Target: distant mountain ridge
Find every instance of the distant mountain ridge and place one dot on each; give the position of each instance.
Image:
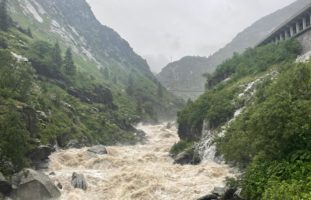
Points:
(249, 37)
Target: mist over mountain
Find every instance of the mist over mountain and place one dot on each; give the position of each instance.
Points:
(173, 77)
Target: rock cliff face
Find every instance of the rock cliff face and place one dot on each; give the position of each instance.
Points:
(250, 37)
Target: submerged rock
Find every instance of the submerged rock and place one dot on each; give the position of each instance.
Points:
(30, 184)
(98, 149)
(222, 193)
(78, 181)
(209, 197)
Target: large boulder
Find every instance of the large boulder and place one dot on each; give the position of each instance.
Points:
(78, 181)
(189, 156)
(30, 184)
(98, 149)
(5, 186)
(220, 191)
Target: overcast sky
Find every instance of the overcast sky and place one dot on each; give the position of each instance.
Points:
(166, 30)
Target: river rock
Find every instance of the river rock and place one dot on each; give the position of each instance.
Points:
(187, 157)
(98, 149)
(209, 197)
(220, 191)
(78, 181)
(74, 143)
(30, 184)
(40, 156)
(237, 194)
(5, 186)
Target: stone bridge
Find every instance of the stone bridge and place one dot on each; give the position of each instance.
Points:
(298, 27)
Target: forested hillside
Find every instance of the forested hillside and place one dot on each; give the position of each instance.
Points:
(257, 110)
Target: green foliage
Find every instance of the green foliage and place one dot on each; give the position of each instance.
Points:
(180, 146)
(215, 106)
(16, 77)
(277, 126)
(254, 61)
(70, 67)
(13, 143)
(274, 136)
(105, 72)
(56, 57)
(3, 43)
(160, 90)
(270, 140)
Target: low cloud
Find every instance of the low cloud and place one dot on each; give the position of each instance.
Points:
(165, 30)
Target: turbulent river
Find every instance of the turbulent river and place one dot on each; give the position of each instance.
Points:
(144, 171)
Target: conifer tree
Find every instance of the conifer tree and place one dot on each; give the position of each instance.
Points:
(130, 85)
(69, 65)
(28, 32)
(57, 57)
(160, 90)
(4, 17)
(106, 73)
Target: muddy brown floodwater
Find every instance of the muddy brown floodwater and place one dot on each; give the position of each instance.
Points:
(143, 171)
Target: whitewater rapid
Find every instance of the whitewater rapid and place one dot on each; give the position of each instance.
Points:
(143, 171)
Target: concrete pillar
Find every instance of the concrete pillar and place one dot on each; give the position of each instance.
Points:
(281, 36)
(286, 34)
(297, 27)
(304, 23)
(291, 31)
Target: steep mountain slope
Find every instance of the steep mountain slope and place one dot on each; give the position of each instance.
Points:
(256, 115)
(64, 85)
(99, 51)
(250, 37)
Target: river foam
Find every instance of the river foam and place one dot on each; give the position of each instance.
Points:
(143, 171)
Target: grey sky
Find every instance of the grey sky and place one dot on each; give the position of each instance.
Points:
(165, 30)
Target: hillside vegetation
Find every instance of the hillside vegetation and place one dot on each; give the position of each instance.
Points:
(50, 94)
(257, 105)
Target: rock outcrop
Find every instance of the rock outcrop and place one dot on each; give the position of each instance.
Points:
(30, 184)
(5, 186)
(40, 156)
(78, 181)
(189, 156)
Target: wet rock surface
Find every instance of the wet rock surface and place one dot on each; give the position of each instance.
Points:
(78, 181)
(30, 184)
(98, 149)
(5, 186)
(40, 156)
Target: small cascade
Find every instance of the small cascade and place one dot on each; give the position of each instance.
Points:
(206, 146)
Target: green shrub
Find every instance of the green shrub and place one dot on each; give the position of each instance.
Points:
(13, 143)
